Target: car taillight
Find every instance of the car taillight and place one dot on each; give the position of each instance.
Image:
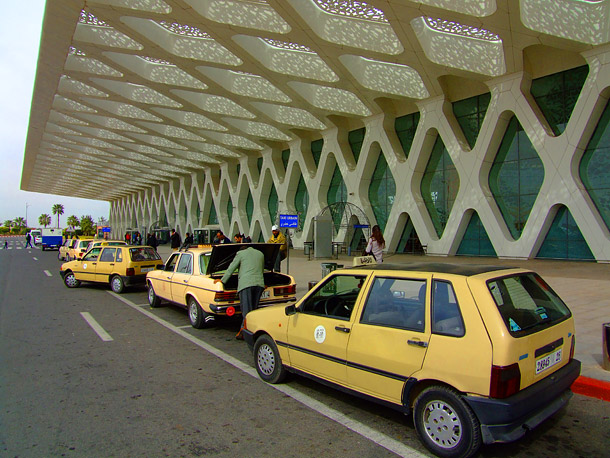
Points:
(505, 381)
(223, 296)
(572, 347)
(130, 271)
(285, 290)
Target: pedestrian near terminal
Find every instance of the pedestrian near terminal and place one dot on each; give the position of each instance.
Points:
(220, 238)
(238, 238)
(175, 240)
(250, 280)
(151, 240)
(376, 244)
(28, 240)
(278, 237)
(188, 240)
(127, 237)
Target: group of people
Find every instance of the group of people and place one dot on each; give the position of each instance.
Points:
(134, 238)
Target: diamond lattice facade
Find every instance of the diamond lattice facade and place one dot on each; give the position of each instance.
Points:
(467, 127)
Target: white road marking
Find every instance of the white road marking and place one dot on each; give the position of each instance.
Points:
(34, 258)
(96, 327)
(48, 274)
(369, 433)
(186, 326)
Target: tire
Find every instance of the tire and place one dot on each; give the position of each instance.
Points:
(153, 299)
(70, 280)
(197, 316)
(59, 256)
(445, 423)
(267, 360)
(117, 285)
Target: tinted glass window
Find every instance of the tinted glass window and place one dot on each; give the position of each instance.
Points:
(446, 316)
(397, 303)
(185, 265)
(335, 297)
(527, 304)
(204, 260)
(170, 265)
(119, 255)
(92, 255)
(143, 254)
(108, 255)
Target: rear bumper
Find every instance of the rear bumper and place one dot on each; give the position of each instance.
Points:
(134, 280)
(506, 420)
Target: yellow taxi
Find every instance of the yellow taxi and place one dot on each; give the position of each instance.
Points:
(102, 242)
(64, 250)
(78, 249)
(477, 354)
(187, 279)
(118, 266)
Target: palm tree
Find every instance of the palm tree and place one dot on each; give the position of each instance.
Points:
(19, 222)
(8, 223)
(72, 221)
(44, 220)
(58, 209)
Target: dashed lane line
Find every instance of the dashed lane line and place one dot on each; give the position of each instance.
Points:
(48, 274)
(365, 431)
(100, 331)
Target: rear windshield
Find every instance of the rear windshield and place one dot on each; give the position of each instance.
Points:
(143, 254)
(527, 304)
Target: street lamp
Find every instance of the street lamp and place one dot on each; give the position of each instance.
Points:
(26, 214)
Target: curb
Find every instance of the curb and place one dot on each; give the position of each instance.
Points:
(592, 387)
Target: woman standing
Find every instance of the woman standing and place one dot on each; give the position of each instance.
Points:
(376, 244)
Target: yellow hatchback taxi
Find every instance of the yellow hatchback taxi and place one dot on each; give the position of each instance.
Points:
(78, 249)
(477, 354)
(64, 250)
(118, 266)
(187, 279)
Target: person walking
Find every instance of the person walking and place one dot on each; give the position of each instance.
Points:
(278, 237)
(376, 244)
(175, 240)
(152, 241)
(250, 280)
(28, 240)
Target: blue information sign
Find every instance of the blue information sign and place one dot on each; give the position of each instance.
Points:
(361, 226)
(105, 229)
(289, 221)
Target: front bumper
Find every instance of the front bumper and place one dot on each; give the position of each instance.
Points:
(248, 338)
(506, 420)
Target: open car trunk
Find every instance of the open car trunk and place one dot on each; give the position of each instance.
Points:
(271, 279)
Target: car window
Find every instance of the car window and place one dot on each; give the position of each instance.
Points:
(92, 255)
(204, 260)
(446, 315)
(335, 297)
(170, 265)
(185, 265)
(119, 255)
(143, 254)
(396, 303)
(108, 255)
(527, 304)
(83, 244)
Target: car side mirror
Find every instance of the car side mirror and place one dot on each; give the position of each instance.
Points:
(290, 310)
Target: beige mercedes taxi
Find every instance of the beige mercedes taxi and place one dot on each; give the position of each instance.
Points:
(477, 354)
(187, 279)
(117, 266)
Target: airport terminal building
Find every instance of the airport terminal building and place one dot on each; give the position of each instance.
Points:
(460, 127)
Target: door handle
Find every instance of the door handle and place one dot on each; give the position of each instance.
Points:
(185, 281)
(417, 343)
(111, 264)
(169, 278)
(342, 329)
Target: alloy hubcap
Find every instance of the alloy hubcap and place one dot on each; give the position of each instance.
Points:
(442, 424)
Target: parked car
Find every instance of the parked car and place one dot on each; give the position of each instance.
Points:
(36, 235)
(52, 238)
(101, 242)
(118, 266)
(64, 250)
(477, 354)
(79, 249)
(187, 279)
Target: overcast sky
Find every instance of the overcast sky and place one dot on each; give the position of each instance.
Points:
(19, 40)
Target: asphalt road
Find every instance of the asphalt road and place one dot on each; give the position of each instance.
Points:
(162, 388)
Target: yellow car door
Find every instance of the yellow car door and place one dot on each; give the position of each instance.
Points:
(105, 264)
(389, 338)
(319, 332)
(181, 277)
(87, 266)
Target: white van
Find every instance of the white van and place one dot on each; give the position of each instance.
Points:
(36, 235)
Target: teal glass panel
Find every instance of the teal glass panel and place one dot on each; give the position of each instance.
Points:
(316, 150)
(198, 211)
(405, 127)
(470, 113)
(301, 201)
(238, 170)
(476, 241)
(259, 164)
(358, 242)
(230, 209)
(249, 207)
(213, 218)
(382, 192)
(261, 238)
(595, 166)
(515, 177)
(409, 240)
(564, 239)
(439, 186)
(355, 139)
(337, 192)
(556, 95)
(272, 205)
(285, 157)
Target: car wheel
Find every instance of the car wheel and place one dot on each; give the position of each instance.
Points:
(70, 280)
(445, 423)
(117, 284)
(197, 316)
(267, 360)
(153, 299)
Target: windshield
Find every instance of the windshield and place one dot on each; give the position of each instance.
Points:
(527, 304)
(143, 254)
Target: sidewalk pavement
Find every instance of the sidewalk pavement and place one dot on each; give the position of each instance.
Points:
(584, 287)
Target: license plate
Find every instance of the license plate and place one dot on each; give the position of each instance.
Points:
(265, 294)
(547, 361)
(146, 269)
